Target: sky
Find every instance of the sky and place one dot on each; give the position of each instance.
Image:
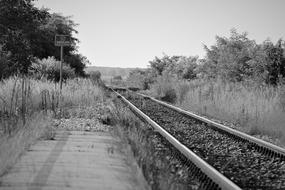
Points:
(130, 33)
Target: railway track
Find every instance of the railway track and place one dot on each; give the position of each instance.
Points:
(226, 158)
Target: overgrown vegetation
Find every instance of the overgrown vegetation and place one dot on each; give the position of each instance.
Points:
(49, 69)
(252, 109)
(28, 107)
(30, 98)
(108, 73)
(238, 81)
(233, 59)
(27, 36)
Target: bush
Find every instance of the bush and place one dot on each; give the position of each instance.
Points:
(49, 68)
(141, 78)
(95, 77)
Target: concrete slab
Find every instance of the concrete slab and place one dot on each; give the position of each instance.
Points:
(74, 160)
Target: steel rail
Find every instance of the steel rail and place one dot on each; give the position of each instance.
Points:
(223, 182)
(278, 151)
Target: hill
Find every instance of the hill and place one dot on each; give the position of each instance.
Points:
(108, 73)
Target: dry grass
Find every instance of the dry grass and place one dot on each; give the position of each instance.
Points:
(257, 110)
(81, 92)
(27, 107)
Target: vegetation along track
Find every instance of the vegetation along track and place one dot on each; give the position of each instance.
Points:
(249, 164)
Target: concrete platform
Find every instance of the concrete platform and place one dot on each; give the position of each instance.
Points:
(74, 160)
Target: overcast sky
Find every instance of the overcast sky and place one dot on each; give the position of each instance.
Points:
(129, 33)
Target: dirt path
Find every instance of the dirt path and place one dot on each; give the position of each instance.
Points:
(74, 160)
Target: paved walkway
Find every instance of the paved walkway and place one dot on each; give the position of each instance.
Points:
(74, 160)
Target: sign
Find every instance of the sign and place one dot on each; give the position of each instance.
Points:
(62, 40)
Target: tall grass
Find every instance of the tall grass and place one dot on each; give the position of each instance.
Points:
(27, 107)
(81, 92)
(257, 110)
(16, 104)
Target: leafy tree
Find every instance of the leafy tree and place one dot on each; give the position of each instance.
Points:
(141, 78)
(185, 67)
(229, 57)
(4, 64)
(180, 67)
(160, 65)
(237, 58)
(78, 62)
(52, 25)
(19, 23)
(27, 32)
(59, 24)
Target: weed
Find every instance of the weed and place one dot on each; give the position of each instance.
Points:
(27, 107)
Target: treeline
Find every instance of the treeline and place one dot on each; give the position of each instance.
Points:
(27, 36)
(233, 59)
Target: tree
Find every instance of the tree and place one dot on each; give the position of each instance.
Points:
(59, 24)
(274, 61)
(78, 62)
(19, 22)
(27, 32)
(160, 65)
(229, 57)
(141, 78)
(4, 64)
(185, 67)
(52, 25)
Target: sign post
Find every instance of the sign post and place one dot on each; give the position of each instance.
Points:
(62, 40)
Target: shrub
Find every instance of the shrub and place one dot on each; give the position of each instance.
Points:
(95, 77)
(141, 78)
(49, 68)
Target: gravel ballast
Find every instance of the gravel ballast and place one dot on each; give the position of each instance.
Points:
(237, 160)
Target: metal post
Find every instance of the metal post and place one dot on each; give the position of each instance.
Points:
(61, 65)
